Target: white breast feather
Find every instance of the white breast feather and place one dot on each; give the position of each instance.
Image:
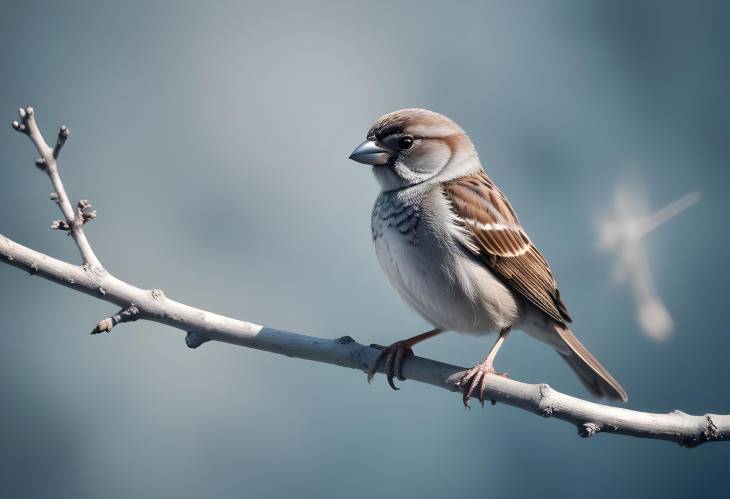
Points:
(435, 277)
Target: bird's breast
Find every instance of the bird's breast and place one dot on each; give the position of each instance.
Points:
(426, 266)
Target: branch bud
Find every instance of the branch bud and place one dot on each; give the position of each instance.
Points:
(128, 314)
(84, 212)
(194, 340)
(63, 134)
(104, 326)
(60, 225)
(25, 115)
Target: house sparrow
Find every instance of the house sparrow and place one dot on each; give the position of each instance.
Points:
(451, 245)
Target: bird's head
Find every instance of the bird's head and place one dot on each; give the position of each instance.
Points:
(413, 146)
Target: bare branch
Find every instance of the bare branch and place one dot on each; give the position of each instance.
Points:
(47, 163)
(202, 326)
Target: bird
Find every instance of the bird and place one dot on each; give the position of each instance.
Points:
(450, 243)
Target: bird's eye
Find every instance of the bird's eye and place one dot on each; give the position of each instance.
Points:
(405, 142)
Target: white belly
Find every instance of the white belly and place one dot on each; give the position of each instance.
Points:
(427, 268)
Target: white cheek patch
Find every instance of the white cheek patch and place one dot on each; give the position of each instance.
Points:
(429, 156)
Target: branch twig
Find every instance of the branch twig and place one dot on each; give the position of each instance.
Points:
(47, 162)
(136, 303)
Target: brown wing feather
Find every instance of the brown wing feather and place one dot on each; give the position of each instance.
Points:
(501, 242)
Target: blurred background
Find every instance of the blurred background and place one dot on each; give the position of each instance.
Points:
(213, 139)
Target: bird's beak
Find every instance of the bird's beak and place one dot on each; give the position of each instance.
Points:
(370, 153)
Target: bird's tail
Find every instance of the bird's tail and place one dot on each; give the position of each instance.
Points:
(592, 374)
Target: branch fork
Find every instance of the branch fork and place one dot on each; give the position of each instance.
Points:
(201, 326)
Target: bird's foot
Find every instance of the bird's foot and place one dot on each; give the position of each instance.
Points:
(393, 356)
(477, 376)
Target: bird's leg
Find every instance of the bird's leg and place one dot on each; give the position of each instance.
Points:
(394, 355)
(477, 375)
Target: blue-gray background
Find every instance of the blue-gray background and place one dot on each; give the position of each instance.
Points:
(213, 138)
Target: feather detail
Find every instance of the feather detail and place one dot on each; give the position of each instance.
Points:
(592, 374)
(499, 241)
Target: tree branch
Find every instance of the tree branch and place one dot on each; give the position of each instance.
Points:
(201, 326)
(47, 162)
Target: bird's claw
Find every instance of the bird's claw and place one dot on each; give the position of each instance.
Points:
(477, 376)
(394, 356)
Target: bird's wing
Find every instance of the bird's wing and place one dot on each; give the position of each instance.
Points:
(498, 241)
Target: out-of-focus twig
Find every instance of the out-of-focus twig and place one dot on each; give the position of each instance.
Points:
(622, 232)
